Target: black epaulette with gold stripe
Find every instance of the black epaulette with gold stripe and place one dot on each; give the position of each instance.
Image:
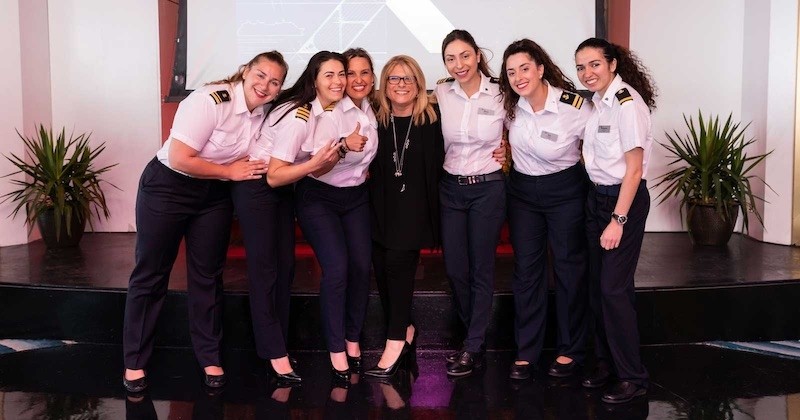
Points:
(330, 107)
(445, 80)
(220, 96)
(572, 98)
(623, 95)
(303, 112)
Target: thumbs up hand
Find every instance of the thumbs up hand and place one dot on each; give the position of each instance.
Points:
(355, 142)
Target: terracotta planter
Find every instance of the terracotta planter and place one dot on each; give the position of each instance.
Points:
(707, 227)
(47, 226)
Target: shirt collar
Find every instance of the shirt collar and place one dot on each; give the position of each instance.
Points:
(550, 103)
(239, 104)
(316, 107)
(347, 103)
(608, 98)
(484, 88)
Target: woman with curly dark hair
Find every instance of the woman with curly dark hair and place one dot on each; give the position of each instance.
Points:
(616, 150)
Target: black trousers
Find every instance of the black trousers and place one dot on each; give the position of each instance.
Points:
(394, 274)
(472, 216)
(266, 216)
(541, 210)
(336, 222)
(171, 207)
(611, 285)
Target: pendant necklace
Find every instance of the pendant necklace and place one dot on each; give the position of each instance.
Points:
(399, 157)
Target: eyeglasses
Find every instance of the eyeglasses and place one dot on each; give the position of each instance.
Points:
(395, 80)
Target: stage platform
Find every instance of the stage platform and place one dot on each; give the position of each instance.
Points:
(746, 291)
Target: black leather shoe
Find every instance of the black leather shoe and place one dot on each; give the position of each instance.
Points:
(563, 370)
(598, 378)
(452, 357)
(293, 362)
(341, 378)
(623, 392)
(465, 364)
(135, 386)
(355, 362)
(215, 381)
(284, 378)
(520, 371)
(386, 373)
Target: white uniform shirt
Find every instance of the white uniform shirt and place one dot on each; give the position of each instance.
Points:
(220, 130)
(340, 122)
(617, 125)
(548, 141)
(288, 137)
(472, 127)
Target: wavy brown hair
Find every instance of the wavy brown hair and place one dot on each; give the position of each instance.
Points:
(629, 67)
(352, 53)
(552, 73)
(423, 111)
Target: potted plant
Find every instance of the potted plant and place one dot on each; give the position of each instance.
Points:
(61, 188)
(712, 176)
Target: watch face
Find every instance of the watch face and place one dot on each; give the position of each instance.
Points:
(622, 219)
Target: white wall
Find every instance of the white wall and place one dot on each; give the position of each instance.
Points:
(11, 231)
(105, 80)
(694, 51)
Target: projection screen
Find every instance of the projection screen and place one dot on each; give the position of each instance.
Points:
(221, 34)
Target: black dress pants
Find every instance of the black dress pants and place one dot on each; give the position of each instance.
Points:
(171, 207)
(266, 216)
(611, 285)
(394, 274)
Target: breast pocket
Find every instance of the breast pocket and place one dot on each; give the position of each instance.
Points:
(490, 127)
(222, 139)
(609, 145)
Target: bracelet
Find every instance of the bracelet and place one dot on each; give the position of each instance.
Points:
(341, 151)
(343, 142)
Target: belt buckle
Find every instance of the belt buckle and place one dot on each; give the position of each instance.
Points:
(464, 180)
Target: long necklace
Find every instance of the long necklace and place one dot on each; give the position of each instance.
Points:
(399, 157)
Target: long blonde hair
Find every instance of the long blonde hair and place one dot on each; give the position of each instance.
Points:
(423, 109)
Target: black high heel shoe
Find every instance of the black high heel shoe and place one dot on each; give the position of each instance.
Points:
(340, 378)
(412, 346)
(135, 386)
(290, 378)
(355, 362)
(386, 373)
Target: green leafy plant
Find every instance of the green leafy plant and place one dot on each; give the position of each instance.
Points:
(713, 168)
(61, 177)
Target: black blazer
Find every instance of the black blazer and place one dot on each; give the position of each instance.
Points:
(433, 150)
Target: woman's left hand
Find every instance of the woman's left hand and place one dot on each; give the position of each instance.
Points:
(611, 236)
(499, 154)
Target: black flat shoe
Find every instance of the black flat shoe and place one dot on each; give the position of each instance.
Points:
(520, 372)
(452, 357)
(355, 362)
(386, 373)
(465, 364)
(563, 370)
(135, 386)
(623, 392)
(214, 381)
(598, 378)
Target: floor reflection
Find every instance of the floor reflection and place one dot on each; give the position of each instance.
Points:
(701, 382)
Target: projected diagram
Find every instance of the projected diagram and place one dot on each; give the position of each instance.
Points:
(301, 28)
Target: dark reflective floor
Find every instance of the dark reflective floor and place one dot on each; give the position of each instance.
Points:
(688, 381)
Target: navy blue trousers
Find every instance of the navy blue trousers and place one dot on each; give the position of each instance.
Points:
(541, 210)
(171, 207)
(266, 216)
(611, 285)
(336, 222)
(472, 216)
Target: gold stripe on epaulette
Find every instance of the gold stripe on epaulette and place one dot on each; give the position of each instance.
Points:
(330, 107)
(444, 80)
(302, 113)
(626, 99)
(215, 97)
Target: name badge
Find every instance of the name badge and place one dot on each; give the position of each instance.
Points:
(484, 111)
(549, 136)
(604, 129)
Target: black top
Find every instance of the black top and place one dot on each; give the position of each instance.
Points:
(405, 209)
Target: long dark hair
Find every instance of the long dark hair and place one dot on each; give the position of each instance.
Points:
(552, 73)
(273, 56)
(303, 90)
(629, 67)
(462, 35)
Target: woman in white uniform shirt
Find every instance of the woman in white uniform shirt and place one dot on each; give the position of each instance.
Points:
(333, 211)
(182, 195)
(472, 190)
(616, 150)
(546, 195)
(295, 154)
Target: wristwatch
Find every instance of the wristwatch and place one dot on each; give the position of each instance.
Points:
(620, 218)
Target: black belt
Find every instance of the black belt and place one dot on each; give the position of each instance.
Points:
(475, 179)
(613, 190)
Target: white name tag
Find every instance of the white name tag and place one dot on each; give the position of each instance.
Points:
(604, 129)
(485, 111)
(549, 136)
